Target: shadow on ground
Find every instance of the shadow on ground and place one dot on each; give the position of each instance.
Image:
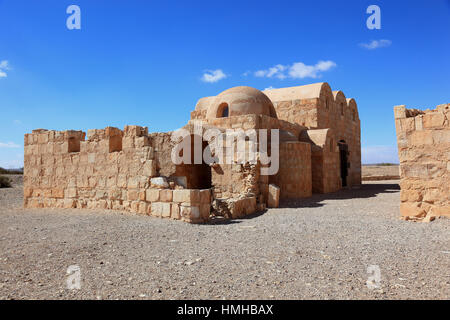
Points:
(366, 190)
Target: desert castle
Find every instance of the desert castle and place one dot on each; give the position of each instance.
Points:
(318, 151)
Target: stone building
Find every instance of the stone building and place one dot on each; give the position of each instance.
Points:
(423, 139)
(318, 146)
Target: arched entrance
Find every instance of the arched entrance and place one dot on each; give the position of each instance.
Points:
(198, 175)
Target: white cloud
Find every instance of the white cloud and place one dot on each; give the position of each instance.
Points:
(9, 145)
(276, 71)
(375, 44)
(269, 88)
(297, 70)
(213, 75)
(4, 65)
(379, 154)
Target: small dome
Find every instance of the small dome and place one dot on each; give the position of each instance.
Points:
(240, 101)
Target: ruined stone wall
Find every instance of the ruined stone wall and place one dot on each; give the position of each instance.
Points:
(244, 183)
(423, 139)
(110, 170)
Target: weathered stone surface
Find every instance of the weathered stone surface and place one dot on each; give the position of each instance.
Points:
(273, 200)
(133, 170)
(152, 195)
(165, 195)
(424, 151)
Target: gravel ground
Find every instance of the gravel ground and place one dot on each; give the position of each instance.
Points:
(316, 248)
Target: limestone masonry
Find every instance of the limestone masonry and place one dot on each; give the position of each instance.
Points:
(319, 152)
(423, 139)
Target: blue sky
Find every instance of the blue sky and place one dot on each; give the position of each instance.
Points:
(147, 62)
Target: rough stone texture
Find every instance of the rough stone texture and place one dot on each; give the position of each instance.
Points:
(110, 170)
(294, 176)
(423, 139)
(315, 106)
(133, 170)
(273, 200)
(324, 160)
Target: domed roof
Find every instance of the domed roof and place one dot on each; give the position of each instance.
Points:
(240, 101)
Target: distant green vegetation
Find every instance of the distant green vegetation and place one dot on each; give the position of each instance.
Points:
(382, 164)
(11, 171)
(5, 182)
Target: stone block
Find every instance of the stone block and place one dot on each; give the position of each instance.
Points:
(149, 168)
(143, 208)
(70, 193)
(152, 195)
(433, 120)
(410, 196)
(420, 138)
(205, 196)
(115, 143)
(133, 183)
(135, 206)
(186, 195)
(69, 203)
(91, 158)
(132, 195)
(432, 195)
(408, 124)
(166, 210)
(205, 209)
(443, 211)
(156, 209)
(175, 211)
(273, 197)
(190, 212)
(165, 195)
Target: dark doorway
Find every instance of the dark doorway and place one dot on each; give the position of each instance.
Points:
(343, 156)
(198, 176)
(202, 172)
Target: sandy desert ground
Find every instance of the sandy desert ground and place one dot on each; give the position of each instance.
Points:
(377, 172)
(316, 248)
